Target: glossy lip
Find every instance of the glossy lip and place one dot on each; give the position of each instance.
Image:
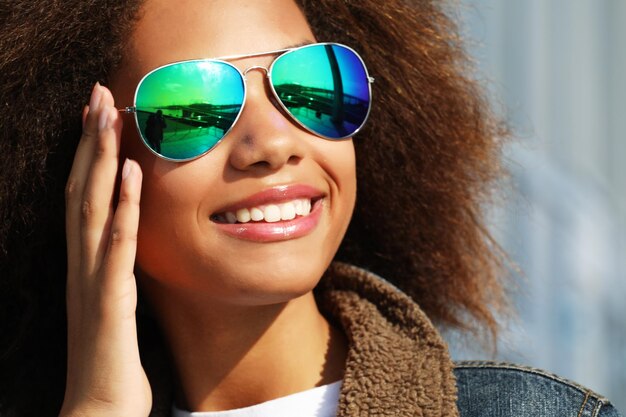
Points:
(281, 230)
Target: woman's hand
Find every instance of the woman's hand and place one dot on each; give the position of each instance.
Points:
(104, 373)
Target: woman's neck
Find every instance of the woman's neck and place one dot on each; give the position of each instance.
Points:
(230, 357)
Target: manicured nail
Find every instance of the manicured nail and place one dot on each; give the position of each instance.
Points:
(96, 96)
(103, 117)
(84, 114)
(112, 116)
(127, 168)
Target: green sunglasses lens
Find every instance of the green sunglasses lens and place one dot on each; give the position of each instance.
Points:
(325, 87)
(184, 109)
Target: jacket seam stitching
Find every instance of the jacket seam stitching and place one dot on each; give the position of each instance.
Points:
(582, 407)
(531, 370)
(596, 411)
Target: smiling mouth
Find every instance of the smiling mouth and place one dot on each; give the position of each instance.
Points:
(268, 213)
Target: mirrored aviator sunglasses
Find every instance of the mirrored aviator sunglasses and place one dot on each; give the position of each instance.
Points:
(184, 109)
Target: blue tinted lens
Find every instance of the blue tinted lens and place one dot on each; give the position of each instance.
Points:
(184, 109)
(325, 87)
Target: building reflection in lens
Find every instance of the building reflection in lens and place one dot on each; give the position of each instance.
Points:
(330, 112)
(186, 130)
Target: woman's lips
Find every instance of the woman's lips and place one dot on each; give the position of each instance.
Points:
(262, 231)
(279, 213)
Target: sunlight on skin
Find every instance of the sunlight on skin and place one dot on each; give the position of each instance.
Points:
(234, 310)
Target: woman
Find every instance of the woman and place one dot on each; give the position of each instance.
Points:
(239, 308)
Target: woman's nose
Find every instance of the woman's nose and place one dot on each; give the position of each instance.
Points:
(264, 136)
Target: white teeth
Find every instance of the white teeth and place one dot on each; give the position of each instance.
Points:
(287, 211)
(272, 212)
(243, 215)
(256, 214)
(298, 206)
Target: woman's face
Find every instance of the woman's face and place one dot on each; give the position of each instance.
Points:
(184, 241)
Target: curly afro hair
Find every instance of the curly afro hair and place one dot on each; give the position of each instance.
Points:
(427, 163)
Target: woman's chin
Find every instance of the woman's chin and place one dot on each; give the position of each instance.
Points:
(246, 285)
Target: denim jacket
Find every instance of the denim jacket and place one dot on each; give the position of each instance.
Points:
(487, 389)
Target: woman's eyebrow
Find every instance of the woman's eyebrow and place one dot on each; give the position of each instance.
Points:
(299, 44)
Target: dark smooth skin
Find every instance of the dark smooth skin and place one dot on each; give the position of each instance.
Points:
(239, 316)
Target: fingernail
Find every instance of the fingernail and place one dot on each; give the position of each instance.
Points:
(84, 114)
(127, 168)
(111, 117)
(103, 118)
(96, 96)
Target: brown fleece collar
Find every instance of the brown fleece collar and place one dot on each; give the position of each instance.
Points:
(397, 364)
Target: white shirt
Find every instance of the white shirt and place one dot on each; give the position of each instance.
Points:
(316, 402)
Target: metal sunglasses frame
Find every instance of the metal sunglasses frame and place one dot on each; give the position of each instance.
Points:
(268, 73)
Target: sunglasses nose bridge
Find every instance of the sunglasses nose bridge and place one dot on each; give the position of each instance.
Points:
(256, 67)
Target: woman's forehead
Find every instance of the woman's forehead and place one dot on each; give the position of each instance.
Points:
(173, 31)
